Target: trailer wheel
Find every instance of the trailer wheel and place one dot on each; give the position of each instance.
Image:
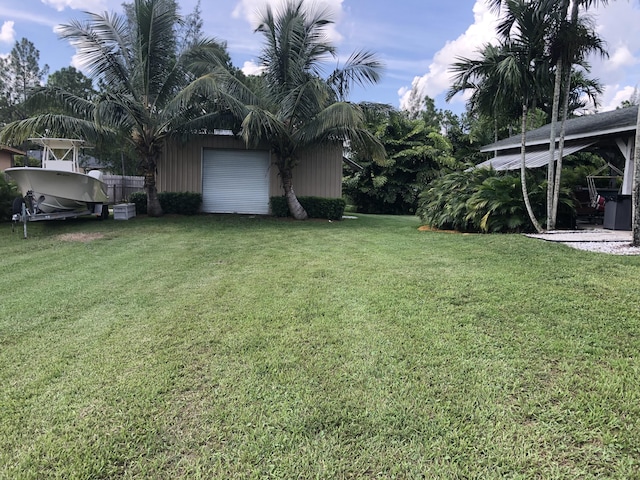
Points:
(16, 208)
(105, 212)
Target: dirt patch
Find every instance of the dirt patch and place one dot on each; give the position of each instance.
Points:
(427, 228)
(80, 237)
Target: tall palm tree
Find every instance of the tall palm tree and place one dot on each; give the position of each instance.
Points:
(574, 41)
(515, 71)
(568, 42)
(152, 89)
(297, 109)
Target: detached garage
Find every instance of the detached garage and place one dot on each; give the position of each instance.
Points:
(234, 179)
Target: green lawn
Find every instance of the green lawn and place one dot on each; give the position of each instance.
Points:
(237, 347)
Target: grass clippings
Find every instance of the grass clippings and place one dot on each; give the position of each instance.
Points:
(80, 237)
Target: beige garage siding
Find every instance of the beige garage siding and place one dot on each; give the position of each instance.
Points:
(319, 172)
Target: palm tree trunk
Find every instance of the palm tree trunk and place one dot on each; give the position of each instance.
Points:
(297, 210)
(566, 73)
(563, 129)
(551, 173)
(523, 170)
(153, 203)
(635, 216)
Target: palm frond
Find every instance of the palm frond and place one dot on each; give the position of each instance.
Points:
(52, 125)
(362, 68)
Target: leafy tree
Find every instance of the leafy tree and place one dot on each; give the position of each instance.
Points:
(72, 81)
(25, 71)
(416, 153)
(294, 107)
(153, 90)
(20, 72)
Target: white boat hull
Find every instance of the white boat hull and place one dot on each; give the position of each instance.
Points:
(57, 190)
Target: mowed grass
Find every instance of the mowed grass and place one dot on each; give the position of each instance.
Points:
(238, 347)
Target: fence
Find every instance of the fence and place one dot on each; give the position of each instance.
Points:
(119, 188)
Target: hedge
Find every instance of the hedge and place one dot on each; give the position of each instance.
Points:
(316, 207)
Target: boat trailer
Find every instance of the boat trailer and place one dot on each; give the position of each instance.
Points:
(25, 210)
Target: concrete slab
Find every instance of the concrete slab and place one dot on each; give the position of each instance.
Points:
(592, 235)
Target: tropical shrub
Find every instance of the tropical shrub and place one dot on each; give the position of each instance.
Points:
(443, 204)
(416, 154)
(8, 193)
(483, 200)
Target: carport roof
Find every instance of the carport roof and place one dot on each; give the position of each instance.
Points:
(536, 157)
(580, 129)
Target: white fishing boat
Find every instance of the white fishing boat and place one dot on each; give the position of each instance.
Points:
(59, 188)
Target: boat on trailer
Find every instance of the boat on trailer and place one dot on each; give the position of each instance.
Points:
(59, 189)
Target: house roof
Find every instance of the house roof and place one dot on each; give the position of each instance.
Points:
(13, 151)
(582, 129)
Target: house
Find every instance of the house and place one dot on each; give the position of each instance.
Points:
(235, 179)
(614, 131)
(6, 157)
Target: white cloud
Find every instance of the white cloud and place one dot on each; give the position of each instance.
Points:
(251, 10)
(438, 79)
(252, 68)
(620, 72)
(85, 5)
(7, 32)
(616, 95)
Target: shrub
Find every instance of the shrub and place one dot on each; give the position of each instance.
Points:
(180, 203)
(140, 200)
(316, 207)
(443, 204)
(8, 193)
(483, 200)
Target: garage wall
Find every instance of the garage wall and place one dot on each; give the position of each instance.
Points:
(319, 172)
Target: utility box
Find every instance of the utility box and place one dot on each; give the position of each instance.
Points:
(617, 213)
(124, 211)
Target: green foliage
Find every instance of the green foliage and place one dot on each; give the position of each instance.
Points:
(483, 200)
(8, 192)
(316, 207)
(73, 81)
(180, 203)
(416, 153)
(497, 205)
(140, 200)
(443, 204)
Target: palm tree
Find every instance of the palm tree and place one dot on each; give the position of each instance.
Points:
(515, 72)
(568, 42)
(296, 108)
(152, 89)
(574, 40)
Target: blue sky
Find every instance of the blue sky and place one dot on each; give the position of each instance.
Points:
(416, 39)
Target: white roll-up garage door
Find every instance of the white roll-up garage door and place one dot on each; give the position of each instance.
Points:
(235, 181)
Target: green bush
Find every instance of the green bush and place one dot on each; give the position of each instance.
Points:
(443, 204)
(8, 193)
(316, 207)
(140, 200)
(483, 200)
(180, 203)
